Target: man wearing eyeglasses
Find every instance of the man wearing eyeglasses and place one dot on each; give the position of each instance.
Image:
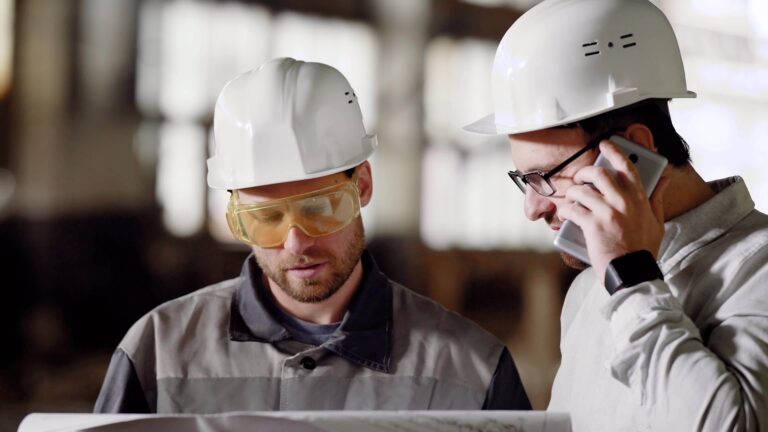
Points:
(668, 328)
(311, 323)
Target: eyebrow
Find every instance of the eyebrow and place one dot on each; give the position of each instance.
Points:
(542, 169)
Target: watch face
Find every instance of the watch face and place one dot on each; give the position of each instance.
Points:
(630, 270)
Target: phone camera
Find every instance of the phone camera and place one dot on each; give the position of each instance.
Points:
(633, 158)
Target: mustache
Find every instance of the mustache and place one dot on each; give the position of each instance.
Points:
(303, 260)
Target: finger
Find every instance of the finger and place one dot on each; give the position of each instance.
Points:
(625, 169)
(657, 198)
(587, 196)
(602, 179)
(575, 213)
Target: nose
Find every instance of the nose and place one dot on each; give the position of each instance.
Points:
(537, 206)
(297, 242)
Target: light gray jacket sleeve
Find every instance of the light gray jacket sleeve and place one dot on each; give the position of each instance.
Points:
(717, 383)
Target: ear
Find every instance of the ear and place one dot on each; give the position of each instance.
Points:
(640, 134)
(364, 182)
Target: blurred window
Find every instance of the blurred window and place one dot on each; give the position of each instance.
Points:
(467, 198)
(6, 45)
(181, 177)
(725, 50)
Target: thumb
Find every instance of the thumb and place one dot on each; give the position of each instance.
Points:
(657, 198)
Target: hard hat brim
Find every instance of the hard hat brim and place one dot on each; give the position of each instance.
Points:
(488, 125)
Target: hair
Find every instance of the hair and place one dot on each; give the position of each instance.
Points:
(654, 114)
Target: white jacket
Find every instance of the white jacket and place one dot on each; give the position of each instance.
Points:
(687, 353)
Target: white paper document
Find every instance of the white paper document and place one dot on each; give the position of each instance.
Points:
(307, 421)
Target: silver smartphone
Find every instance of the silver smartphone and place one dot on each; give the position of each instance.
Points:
(650, 165)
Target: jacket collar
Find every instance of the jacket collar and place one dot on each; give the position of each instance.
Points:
(364, 336)
(705, 223)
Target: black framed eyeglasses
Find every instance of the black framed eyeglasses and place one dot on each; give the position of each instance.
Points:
(539, 180)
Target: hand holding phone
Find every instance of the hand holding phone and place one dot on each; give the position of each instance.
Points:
(650, 166)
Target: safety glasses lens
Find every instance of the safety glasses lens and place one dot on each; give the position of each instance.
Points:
(316, 215)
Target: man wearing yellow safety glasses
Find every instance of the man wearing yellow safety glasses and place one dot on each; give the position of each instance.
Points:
(311, 323)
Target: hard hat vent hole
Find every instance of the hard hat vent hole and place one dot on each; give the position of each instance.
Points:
(629, 44)
(588, 45)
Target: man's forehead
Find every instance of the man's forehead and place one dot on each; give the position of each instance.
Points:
(552, 136)
(543, 150)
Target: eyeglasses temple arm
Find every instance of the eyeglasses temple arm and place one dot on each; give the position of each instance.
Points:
(573, 157)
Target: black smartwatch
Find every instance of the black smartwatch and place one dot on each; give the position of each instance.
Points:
(631, 269)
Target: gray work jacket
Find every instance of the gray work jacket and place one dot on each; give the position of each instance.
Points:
(220, 349)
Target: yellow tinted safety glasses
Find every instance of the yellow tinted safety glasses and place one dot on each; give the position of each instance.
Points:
(316, 213)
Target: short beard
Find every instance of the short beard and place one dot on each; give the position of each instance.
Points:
(316, 290)
(573, 262)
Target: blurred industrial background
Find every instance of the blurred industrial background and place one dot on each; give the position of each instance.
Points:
(105, 124)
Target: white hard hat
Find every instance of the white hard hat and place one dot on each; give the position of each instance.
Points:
(568, 60)
(285, 121)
